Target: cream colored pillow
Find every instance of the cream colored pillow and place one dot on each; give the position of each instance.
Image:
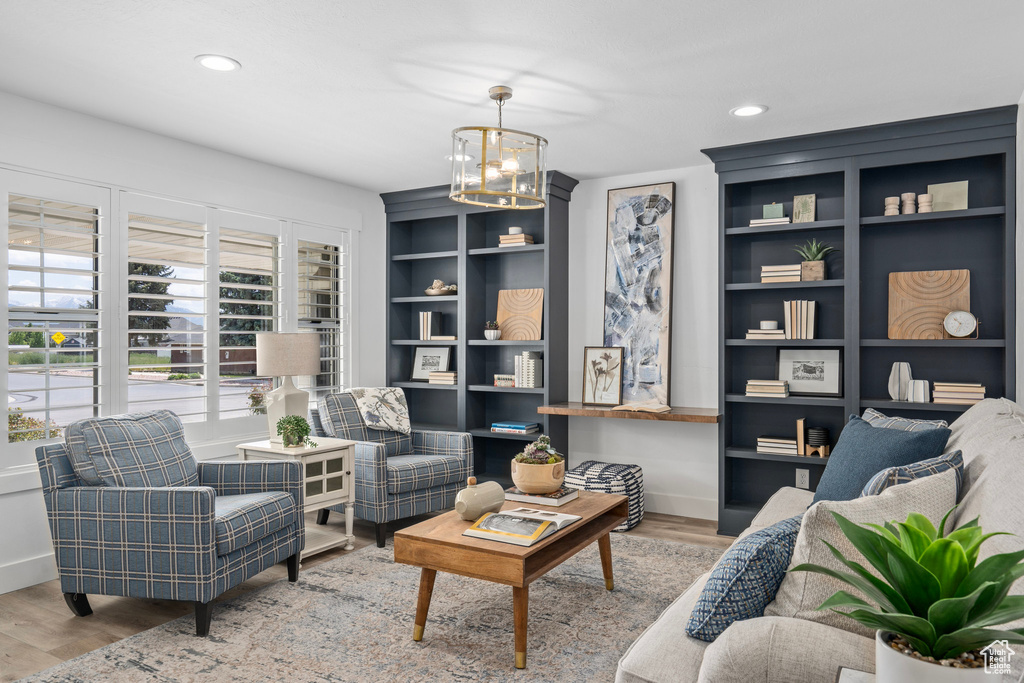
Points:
(802, 592)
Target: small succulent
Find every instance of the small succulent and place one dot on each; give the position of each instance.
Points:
(490, 325)
(539, 452)
(814, 250)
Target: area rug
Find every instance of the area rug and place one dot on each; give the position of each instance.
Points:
(351, 619)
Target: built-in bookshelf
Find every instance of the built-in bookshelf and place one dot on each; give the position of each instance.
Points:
(431, 237)
(851, 172)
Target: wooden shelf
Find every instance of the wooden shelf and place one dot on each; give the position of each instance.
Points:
(424, 342)
(789, 400)
(934, 216)
(424, 255)
(424, 385)
(424, 299)
(785, 342)
(744, 286)
(752, 454)
(491, 251)
(488, 434)
(936, 343)
(907, 405)
(505, 390)
(786, 227)
(677, 414)
(504, 342)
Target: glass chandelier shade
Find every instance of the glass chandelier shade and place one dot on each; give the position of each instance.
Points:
(498, 167)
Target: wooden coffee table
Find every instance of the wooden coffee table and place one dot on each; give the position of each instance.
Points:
(437, 544)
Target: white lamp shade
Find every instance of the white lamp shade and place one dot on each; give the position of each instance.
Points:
(287, 354)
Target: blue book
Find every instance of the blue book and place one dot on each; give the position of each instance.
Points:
(515, 425)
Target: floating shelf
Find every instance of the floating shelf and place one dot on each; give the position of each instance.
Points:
(934, 216)
(424, 385)
(505, 390)
(488, 434)
(752, 454)
(491, 251)
(784, 342)
(677, 414)
(907, 405)
(786, 227)
(504, 342)
(789, 400)
(742, 286)
(936, 343)
(424, 342)
(424, 299)
(424, 255)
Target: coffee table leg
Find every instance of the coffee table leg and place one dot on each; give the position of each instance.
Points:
(423, 602)
(520, 610)
(604, 544)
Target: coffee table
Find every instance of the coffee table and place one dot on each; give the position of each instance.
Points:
(437, 544)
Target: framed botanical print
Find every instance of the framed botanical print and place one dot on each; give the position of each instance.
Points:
(430, 359)
(812, 372)
(602, 375)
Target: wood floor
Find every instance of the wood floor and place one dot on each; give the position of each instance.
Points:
(37, 630)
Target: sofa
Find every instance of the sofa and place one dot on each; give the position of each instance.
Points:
(783, 649)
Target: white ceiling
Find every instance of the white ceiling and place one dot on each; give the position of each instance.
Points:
(367, 92)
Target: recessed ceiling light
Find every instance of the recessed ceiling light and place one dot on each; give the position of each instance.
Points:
(749, 110)
(218, 62)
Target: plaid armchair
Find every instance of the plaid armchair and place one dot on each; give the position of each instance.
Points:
(397, 475)
(190, 542)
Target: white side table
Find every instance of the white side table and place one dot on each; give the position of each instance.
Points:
(327, 470)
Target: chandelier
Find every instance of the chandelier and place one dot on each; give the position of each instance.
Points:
(498, 167)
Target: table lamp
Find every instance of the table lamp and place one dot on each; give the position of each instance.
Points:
(284, 355)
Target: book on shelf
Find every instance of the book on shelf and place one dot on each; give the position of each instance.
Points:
(787, 273)
(788, 267)
(514, 425)
(767, 388)
(769, 280)
(967, 393)
(959, 394)
(430, 324)
(799, 318)
(445, 337)
(801, 435)
(500, 430)
(529, 370)
(644, 407)
(515, 238)
(766, 334)
(757, 222)
(521, 526)
(554, 499)
(449, 378)
(502, 380)
(958, 386)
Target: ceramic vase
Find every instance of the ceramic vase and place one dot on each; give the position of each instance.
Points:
(476, 499)
(895, 667)
(899, 381)
(538, 478)
(918, 391)
(492, 334)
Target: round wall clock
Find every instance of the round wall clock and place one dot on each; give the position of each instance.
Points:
(960, 324)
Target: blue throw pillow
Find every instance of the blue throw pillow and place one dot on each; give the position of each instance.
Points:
(745, 580)
(862, 451)
(877, 419)
(892, 476)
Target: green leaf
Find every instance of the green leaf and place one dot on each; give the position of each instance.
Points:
(918, 631)
(991, 569)
(919, 521)
(895, 600)
(993, 597)
(966, 639)
(942, 525)
(1011, 608)
(950, 614)
(947, 561)
(844, 599)
(914, 541)
(860, 583)
(873, 547)
(915, 583)
(972, 551)
(886, 534)
(965, 537)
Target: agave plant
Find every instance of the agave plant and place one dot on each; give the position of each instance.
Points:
(814, 250)
(933, 590)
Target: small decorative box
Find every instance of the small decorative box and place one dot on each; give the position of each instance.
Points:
(772, 211)
(504, 380)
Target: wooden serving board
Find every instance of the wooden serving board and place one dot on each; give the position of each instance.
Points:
(520, 313)
(920, 300)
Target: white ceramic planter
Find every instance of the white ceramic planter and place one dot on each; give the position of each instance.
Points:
(492, 334)
(895, 667)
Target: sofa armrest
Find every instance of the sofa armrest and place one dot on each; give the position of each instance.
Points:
(444, 443)
(232, 478)
(784, 650)
(785, 503)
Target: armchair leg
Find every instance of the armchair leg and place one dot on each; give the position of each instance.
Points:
(204, 614)
(322, 515)
(79, 604)
(381, 530)
(293, 568)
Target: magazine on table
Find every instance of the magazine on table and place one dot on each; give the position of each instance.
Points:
(521, 526)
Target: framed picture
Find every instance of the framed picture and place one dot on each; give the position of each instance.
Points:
(638, 288)
(812, 372)
(803, 208)
(602, 375)
(430, 359)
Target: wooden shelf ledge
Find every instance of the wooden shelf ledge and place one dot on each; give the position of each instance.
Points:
(677, 414)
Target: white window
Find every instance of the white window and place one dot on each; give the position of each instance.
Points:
(322, 300)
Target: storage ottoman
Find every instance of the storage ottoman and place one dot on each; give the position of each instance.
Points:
(604, 477)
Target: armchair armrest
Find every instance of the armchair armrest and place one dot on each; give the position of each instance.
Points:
(231, 478)
(371, 473)
(444, 443)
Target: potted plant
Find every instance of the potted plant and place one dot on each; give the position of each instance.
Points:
(539, 468)
(491, 330)
(294, 431)
(813, 253)
(935, 605)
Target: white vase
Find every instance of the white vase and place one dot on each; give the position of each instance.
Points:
(899, 381)
(895, 667)
(492, 334)
(918, 391)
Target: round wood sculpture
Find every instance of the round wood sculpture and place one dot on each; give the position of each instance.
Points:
(520, 313)
(919, 301)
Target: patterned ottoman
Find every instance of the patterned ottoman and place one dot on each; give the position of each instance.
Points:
(604, 477)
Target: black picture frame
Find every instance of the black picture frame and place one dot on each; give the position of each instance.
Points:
(833, 363)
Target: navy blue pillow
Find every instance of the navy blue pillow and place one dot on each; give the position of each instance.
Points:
(863, 451)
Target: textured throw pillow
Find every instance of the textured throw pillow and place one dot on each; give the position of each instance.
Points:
(745, 580)
(383, 408)
(863, 450)
(891, 476)
(801, 593)
(906, 424)
(137, 450)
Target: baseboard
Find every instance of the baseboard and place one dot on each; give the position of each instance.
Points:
(681, 506)
(27, 572)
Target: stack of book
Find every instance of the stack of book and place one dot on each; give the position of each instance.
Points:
(957, 392)
(515, 427)
(761, 222)
(442, 378)
(776, 445)
(501, 380)
(766, 334)
(780, 273)
(799, 317)
(514, 240)
(529, 370)
(768, 388)
(430, 325)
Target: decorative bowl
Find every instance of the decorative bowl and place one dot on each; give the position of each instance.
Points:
(438, 292)
(538, 478)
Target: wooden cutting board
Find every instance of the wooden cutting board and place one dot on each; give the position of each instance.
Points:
(520, 313)
(920, 300)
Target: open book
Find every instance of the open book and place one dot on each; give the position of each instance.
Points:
(521, 526)
(645, 407)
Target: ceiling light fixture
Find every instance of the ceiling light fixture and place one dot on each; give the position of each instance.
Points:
(218, 62)
(749, 110)
(511, 173)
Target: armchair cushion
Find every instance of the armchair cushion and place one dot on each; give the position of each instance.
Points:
(342, 419)
(413, 472)
(134, 450)
(244, 519)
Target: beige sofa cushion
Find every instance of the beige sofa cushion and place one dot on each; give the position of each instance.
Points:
(785, 503)
(802, 592)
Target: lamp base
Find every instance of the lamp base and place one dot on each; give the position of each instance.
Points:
(287, 399)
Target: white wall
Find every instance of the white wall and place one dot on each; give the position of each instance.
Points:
(35, 137)
(680, 460)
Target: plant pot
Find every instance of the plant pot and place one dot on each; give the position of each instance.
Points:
(895, 667)
(811, 271)
(538, 478)
(492, 334)
(291, 441)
